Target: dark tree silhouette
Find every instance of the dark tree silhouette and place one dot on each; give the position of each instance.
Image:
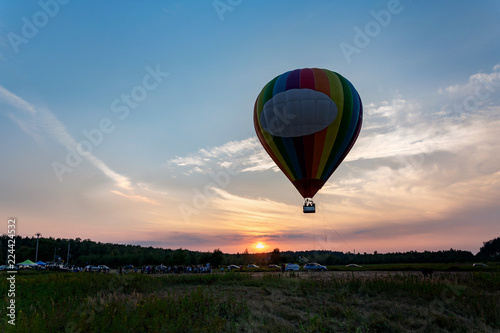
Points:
(85, 252)
(216, 258)
(276, 256)
(490, 249)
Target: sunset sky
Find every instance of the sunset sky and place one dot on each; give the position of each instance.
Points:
(131, 122)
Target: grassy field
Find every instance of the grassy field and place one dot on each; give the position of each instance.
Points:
(334, 301)
(453, 267)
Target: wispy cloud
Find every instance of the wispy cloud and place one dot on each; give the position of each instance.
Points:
(474, 98)
(478, 83)
(460, 116)
(262, 212)
(420, 160)
(422, 138)
(38, 122)
(16, 101)
(242, 156)
(136, 197)
(28, 126)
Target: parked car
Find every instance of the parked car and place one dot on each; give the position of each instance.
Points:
(292, 267)
(230, 267)
(58, 267)
(252, 266)
(274, 266)
(103, 268)
(90, 268)
(128, 267)
(353, 265)
(479, 265)
(314, 266)
(64, 269)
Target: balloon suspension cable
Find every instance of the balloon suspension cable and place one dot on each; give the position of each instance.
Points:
(309, 206)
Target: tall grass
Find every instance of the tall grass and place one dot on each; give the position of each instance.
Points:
(267, 302)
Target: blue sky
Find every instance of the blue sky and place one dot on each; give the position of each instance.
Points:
(166, 91)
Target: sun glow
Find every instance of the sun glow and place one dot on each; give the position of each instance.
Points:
(260, 246)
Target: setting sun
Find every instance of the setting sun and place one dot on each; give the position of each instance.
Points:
(260, 246)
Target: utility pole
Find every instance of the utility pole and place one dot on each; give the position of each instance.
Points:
(37, 238)
(67, 259)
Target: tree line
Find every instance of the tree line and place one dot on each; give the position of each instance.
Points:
(87, 252)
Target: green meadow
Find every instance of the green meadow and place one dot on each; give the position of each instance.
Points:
(256, 302)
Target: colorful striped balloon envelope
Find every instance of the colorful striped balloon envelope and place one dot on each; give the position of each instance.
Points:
(308, 120)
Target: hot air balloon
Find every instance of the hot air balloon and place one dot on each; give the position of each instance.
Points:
(308, 120)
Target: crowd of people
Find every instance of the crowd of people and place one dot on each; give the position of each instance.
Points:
(175, 269)
(147, 269)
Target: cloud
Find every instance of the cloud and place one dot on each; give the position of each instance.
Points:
(136, 197)
(16, 101)
(148, 188)
(480, 85)
(459, 116)
(28, 126)
(38, 122)
(232, 241)
(423, 138)
(474, 98)
(258, 210)
(143, 192)
(241, 156)
(435, 173)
